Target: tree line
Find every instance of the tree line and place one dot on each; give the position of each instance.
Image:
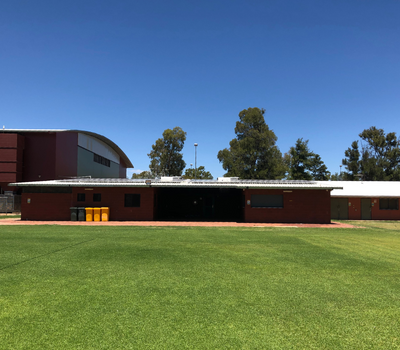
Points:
(253, 154)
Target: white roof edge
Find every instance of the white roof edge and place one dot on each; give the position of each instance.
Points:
(182, 183)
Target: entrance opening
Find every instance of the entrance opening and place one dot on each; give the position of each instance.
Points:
(339, 208)
(200, 204)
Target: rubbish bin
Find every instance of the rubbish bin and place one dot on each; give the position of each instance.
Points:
(105, 213)
(81, 214)
(74, 213)
(96, 214)
(89, 214)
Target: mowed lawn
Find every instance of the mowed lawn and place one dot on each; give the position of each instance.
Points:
(199, 288)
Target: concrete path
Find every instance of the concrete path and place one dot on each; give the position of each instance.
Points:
(168, 223)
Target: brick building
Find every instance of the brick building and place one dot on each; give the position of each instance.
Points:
(224, 199)
(34, 155)
(365, 200)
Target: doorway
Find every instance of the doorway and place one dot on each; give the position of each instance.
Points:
(199, 204)
(365, 208)
(339, 208)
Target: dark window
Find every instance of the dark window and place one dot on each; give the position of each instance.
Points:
(101, 160)
(132, 200)
(81, 197)
(388, 203)
(266, 201)
(96, 197)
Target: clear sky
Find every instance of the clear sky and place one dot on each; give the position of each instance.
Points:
(129, 69)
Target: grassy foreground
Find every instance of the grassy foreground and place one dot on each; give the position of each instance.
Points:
(199, 288)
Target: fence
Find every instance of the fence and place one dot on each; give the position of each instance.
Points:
(9, 204)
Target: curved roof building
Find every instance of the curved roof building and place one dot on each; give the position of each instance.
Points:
(32, 155)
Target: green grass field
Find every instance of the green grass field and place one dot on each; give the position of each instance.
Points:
(199, 288)
(10, 216)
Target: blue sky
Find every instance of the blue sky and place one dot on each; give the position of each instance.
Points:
(322, 70)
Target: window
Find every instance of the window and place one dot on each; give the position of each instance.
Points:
(388, 203)
(96, 197)
(81, 197)
(101, 160)
(266, 201)
(132, 200)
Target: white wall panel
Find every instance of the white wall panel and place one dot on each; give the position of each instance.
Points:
(98, 147)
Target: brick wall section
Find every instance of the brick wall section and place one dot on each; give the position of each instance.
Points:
(56, 206)
(46, 206)
(378, 214)
(299, 206)
(354, 208)
(39, 156)
(114, 198)
(11, 159)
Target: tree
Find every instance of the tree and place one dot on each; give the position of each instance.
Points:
(351, 162)
(143, 175)
(200, 174)
(336, 177)
(378, 160)
(303, 164)
(253, 154)
(165, 155)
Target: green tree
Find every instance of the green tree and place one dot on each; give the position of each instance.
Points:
(200, 174)
(378, 160)
(165, 155)
(336, 177)
(303, 164)
(253, 154)
(318, 169)
(352, 162)
(143, 175)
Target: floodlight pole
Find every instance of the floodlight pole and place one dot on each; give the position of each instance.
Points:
(195, 160)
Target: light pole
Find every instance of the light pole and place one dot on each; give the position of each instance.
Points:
(195, 161)
(340, 173)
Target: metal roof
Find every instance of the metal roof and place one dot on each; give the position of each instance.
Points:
(366, 188)
(179, 182)
(107, 141)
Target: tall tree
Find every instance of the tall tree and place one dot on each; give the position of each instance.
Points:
(143, 175)
(318, 169)
(253, 154)
(165, 155)
(352, 162)
(199, 173)
(378, 160)
(303, 164)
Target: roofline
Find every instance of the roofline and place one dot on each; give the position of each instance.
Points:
(243, 184)
(106, 140)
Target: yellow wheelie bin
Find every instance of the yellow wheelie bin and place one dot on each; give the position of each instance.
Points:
(105, 213)
(89, 214)
(96, 214)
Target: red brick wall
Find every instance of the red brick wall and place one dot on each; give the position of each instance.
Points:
(46, 206)
(56, 206)
(66, 155)
(8, 154)
(39, 156)
(299, 206)
(377, 214)
(11, 156)
(354, 208)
